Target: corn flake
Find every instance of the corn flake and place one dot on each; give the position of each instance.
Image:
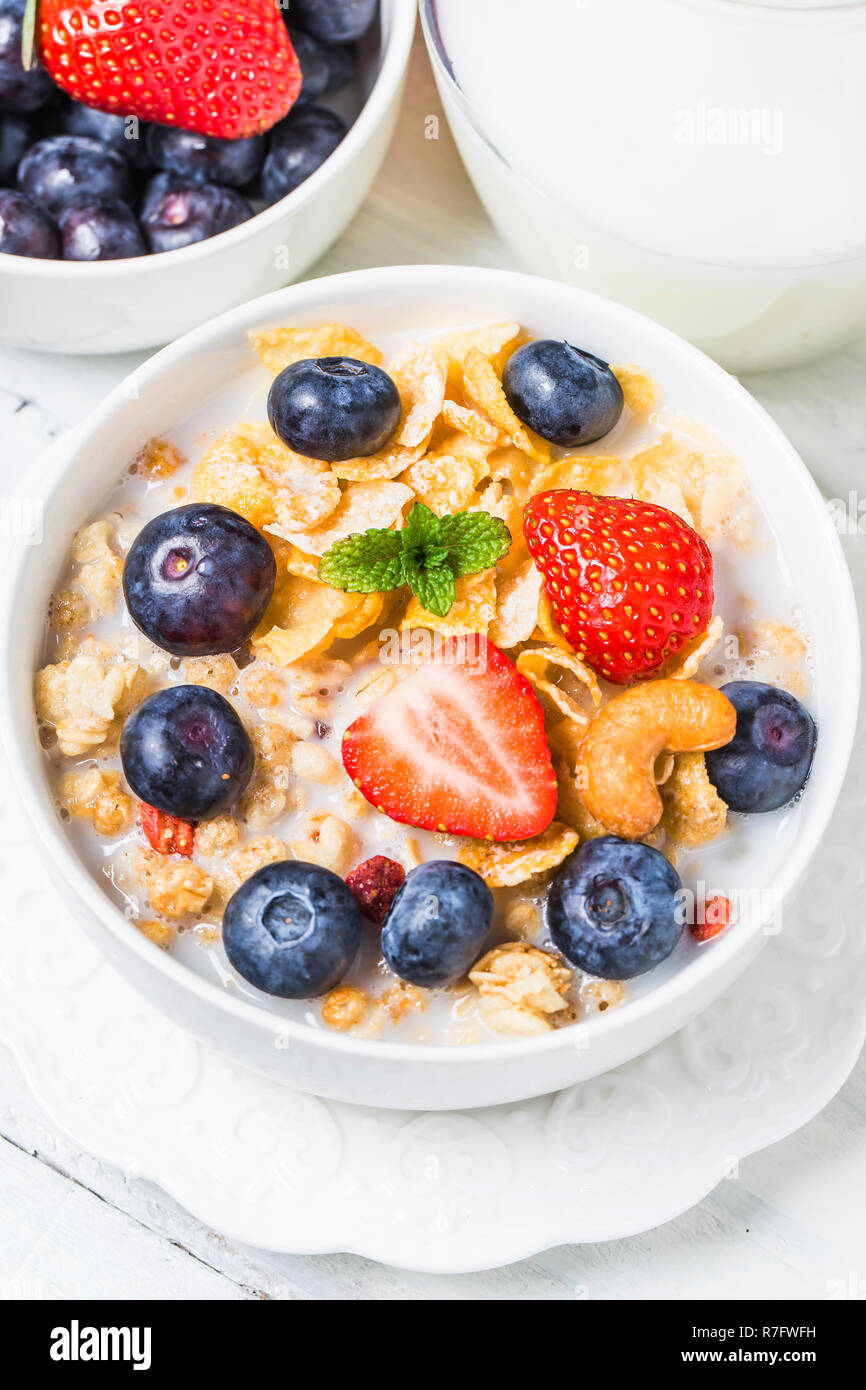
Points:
(534, 664)
(484, 390)
(602, 475)
(302, 619)
(473, 610)
(467, 421)
(280, 347)
(694, 812)
(689, 660)
(419, 373)
(496, 340)
(505, 864)
(228, 473)
(443, 482)
(638, 388)
(517, 594)
(361, 506)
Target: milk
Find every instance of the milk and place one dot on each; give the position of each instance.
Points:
(698, 158)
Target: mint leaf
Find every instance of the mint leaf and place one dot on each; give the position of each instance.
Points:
(367, 563)
(428, 554)
(422, 529)
(433, 587)
(474, 541)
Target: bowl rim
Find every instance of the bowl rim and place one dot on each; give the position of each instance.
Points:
(392, 67)
(406, 281)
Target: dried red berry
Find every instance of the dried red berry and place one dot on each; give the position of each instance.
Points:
(166, 834)
(374, 886)
(713, 920)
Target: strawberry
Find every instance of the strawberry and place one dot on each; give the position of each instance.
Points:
(206, 65)
(166, 834)
(629, 583)
(457, 746)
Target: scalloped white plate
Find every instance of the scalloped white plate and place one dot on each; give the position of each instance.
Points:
(453, 1191)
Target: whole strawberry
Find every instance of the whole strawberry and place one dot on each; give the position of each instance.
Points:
(209, 66)
(629, 583)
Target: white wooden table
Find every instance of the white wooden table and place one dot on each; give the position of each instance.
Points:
(794, 1219)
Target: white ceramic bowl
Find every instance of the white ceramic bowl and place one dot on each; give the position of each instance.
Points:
(115, 306)
(401, 302)
(770, 308)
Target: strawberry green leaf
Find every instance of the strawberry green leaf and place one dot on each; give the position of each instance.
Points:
(474, 540)
(433, 587)
(366, 563)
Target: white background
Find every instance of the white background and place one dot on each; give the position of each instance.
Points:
(790, 1224)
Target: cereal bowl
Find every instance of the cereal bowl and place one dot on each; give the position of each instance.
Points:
(120, 305)
(212, 376)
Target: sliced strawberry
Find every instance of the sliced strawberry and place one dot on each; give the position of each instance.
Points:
(458, 746)
(166, 834)
(629, 583)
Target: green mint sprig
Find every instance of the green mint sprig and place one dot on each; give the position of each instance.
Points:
(429, 554)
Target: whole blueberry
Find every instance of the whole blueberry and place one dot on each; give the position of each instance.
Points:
(335, 21)
(613, 908)
(333, 408)
(15, 137)
(315, 67)
(177, 212)
(61, 169)
(94, 230)
(292, 929)
(198, 579)
(565, 395)
(299, 145)
(768, 761)
(205, 158)
(342, 62)
(437, 925)
(185, 751)
(20, 89)
(24, 228)
(124, 134)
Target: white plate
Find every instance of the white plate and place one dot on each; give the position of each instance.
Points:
(444, 1191)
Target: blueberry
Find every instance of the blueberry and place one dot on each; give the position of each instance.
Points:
(768, 761)
(124, 134)
(335, 21)
(24, 228)
(299, 145)
(15, 138)
(333, 408)
(292, 929)
(198, 579)
(177, 212)
(94, 230)
(185, 751)
(565, 395)
(342, 62)
(315, 67)
(613, 908)
(205, 158)
(62, 169)
(20, 90)
(437, 925)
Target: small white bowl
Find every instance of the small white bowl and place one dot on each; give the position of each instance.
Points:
(115, 306)
(395, 304)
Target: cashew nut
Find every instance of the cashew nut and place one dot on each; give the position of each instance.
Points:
(616, 760)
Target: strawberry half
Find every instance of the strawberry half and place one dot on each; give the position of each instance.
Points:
(458, 746)
(629, 583)
(206, 65)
